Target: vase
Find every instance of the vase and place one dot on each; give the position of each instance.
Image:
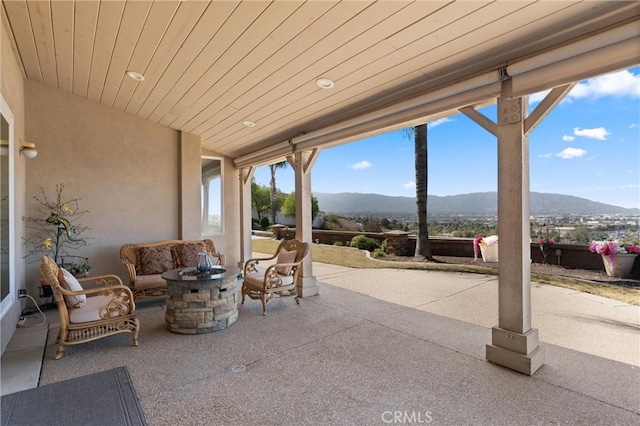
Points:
(622, 264)
(489, 252)
(204, 262)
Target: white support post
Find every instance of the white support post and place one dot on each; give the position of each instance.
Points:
(514, 344)
(302, 162)
(245, 174)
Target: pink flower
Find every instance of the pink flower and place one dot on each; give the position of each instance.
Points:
(632, 249)
(476, 241)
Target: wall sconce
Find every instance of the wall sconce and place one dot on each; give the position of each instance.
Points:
(28, 150)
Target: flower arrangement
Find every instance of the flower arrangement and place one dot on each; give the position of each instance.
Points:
(490, 240)
(56, 231)
(612, 248)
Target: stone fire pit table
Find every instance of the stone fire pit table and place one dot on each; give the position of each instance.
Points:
(201, 303)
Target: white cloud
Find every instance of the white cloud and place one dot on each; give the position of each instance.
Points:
(629, 186)
(568, 138)
(410, 184)
(360, 165)
(546, 155)
(570, 153)
(537, 97)
(599, 133)
(633, 125)
(622, 83)
(438, 122)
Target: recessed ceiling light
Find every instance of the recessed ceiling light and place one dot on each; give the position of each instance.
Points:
(135, 75)
(248, 123)
(325, 83)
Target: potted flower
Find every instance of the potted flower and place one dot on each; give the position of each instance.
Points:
(618, 257)
(545, 245)
(488, 248)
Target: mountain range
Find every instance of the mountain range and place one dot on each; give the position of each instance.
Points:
(481, 203)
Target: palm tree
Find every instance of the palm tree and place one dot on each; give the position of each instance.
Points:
(273, 195)
(419, 133)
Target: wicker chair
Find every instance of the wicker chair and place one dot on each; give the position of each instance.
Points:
(277, 280)
(110, 310)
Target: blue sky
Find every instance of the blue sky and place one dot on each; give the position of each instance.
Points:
(588, 146)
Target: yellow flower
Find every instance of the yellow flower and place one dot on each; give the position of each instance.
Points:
(65, 208)
(47, 243)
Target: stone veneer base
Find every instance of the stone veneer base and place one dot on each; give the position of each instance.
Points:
(203, 306)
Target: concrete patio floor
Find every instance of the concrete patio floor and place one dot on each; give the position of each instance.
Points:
(379, 347)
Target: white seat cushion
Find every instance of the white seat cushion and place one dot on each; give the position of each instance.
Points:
(149, 281)
(257, 278)
(91, 310)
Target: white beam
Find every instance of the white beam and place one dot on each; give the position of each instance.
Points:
(603, 52)
(588, 45)
(480, 119)
(419, 109)
(618, 56)
(552, 99)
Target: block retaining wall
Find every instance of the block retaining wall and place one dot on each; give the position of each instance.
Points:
(575, 256)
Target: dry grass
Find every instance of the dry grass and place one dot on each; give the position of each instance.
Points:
(354, 258)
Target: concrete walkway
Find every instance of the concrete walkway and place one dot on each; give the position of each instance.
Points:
(564, 317)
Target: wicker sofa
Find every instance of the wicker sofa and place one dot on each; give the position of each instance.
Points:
(146, 262)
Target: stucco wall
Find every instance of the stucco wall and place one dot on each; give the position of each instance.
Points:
(140, 181)
(12, 90)
(190, 186)
(124, 170)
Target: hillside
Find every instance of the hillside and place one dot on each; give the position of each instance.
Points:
(475, 203)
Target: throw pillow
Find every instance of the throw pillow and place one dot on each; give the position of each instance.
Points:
(186, 255)
(155, 260)
(69, 282)
(285, 256)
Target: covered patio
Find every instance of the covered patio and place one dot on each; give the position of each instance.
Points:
(252, 83)
(408, 347)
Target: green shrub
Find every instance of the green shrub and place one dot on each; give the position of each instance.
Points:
(338, 243)
(364, 243)
(384, 246)
(264, 222)
(378, 253)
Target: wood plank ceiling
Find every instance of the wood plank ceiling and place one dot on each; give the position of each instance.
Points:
(208, 66)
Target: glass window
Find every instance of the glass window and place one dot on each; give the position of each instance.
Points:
(7, 287)
(212, 220)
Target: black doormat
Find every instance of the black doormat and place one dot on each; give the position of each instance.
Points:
(106, 398)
